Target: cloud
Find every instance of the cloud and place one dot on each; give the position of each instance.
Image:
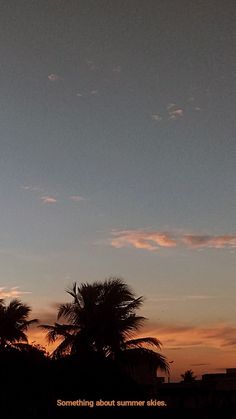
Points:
(176, 113)
(141, 239)
(216, 335)
(170, 106)
(172, 112)
(200, 365)
(154, 240)
(156, 117)
(76, 198)
(13, 292)
(181, 298)
(48, 199)
(94, 92)
(32, 188)
(54, 77)
(210, 241)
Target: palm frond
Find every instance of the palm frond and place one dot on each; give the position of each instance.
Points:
(65, 310)
(139, 342)
(63, 348)
(147, 356)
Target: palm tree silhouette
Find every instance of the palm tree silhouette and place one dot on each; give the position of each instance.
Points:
(14, 323)
(102, 318)
(188, 376)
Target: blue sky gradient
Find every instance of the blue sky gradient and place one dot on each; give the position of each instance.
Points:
(120, 117)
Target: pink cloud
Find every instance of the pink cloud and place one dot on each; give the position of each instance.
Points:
(48, 199)
(176, 113)
(13, 292)
(53, 77)
(141, 239)
(154, 240)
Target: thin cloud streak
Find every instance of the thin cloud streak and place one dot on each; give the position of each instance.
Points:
(77, 198)
(155, 240)
(156, 117)
(203, 241)
(54, 77)
(182, 298)
(218, 335)
(48, 199)
(13, 292)
(31, 188)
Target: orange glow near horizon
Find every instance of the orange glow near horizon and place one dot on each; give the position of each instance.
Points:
(207, 349)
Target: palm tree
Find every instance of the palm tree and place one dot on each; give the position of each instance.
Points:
(14, 323)
(102, 318)
(188, 376)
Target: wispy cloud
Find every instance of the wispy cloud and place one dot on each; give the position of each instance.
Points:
(43, 194)
(181, 298)
(94, 92)
(156, 117)
(32, 188)
(54, 77)
(86, 94)
(141, 239)
(200, 365)
(211, 241)
(77, 198)
(13, 292)
(216, 335)
(48, 199)
(174, 111)
(154, 240)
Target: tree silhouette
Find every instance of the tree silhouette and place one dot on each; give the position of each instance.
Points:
(14, 323)
(188, 376)
(102, 319)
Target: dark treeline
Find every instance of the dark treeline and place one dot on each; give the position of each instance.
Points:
(97, 356)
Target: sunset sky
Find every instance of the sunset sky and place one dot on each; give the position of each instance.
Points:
(118, 158)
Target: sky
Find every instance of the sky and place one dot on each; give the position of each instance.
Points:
(118, 158)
